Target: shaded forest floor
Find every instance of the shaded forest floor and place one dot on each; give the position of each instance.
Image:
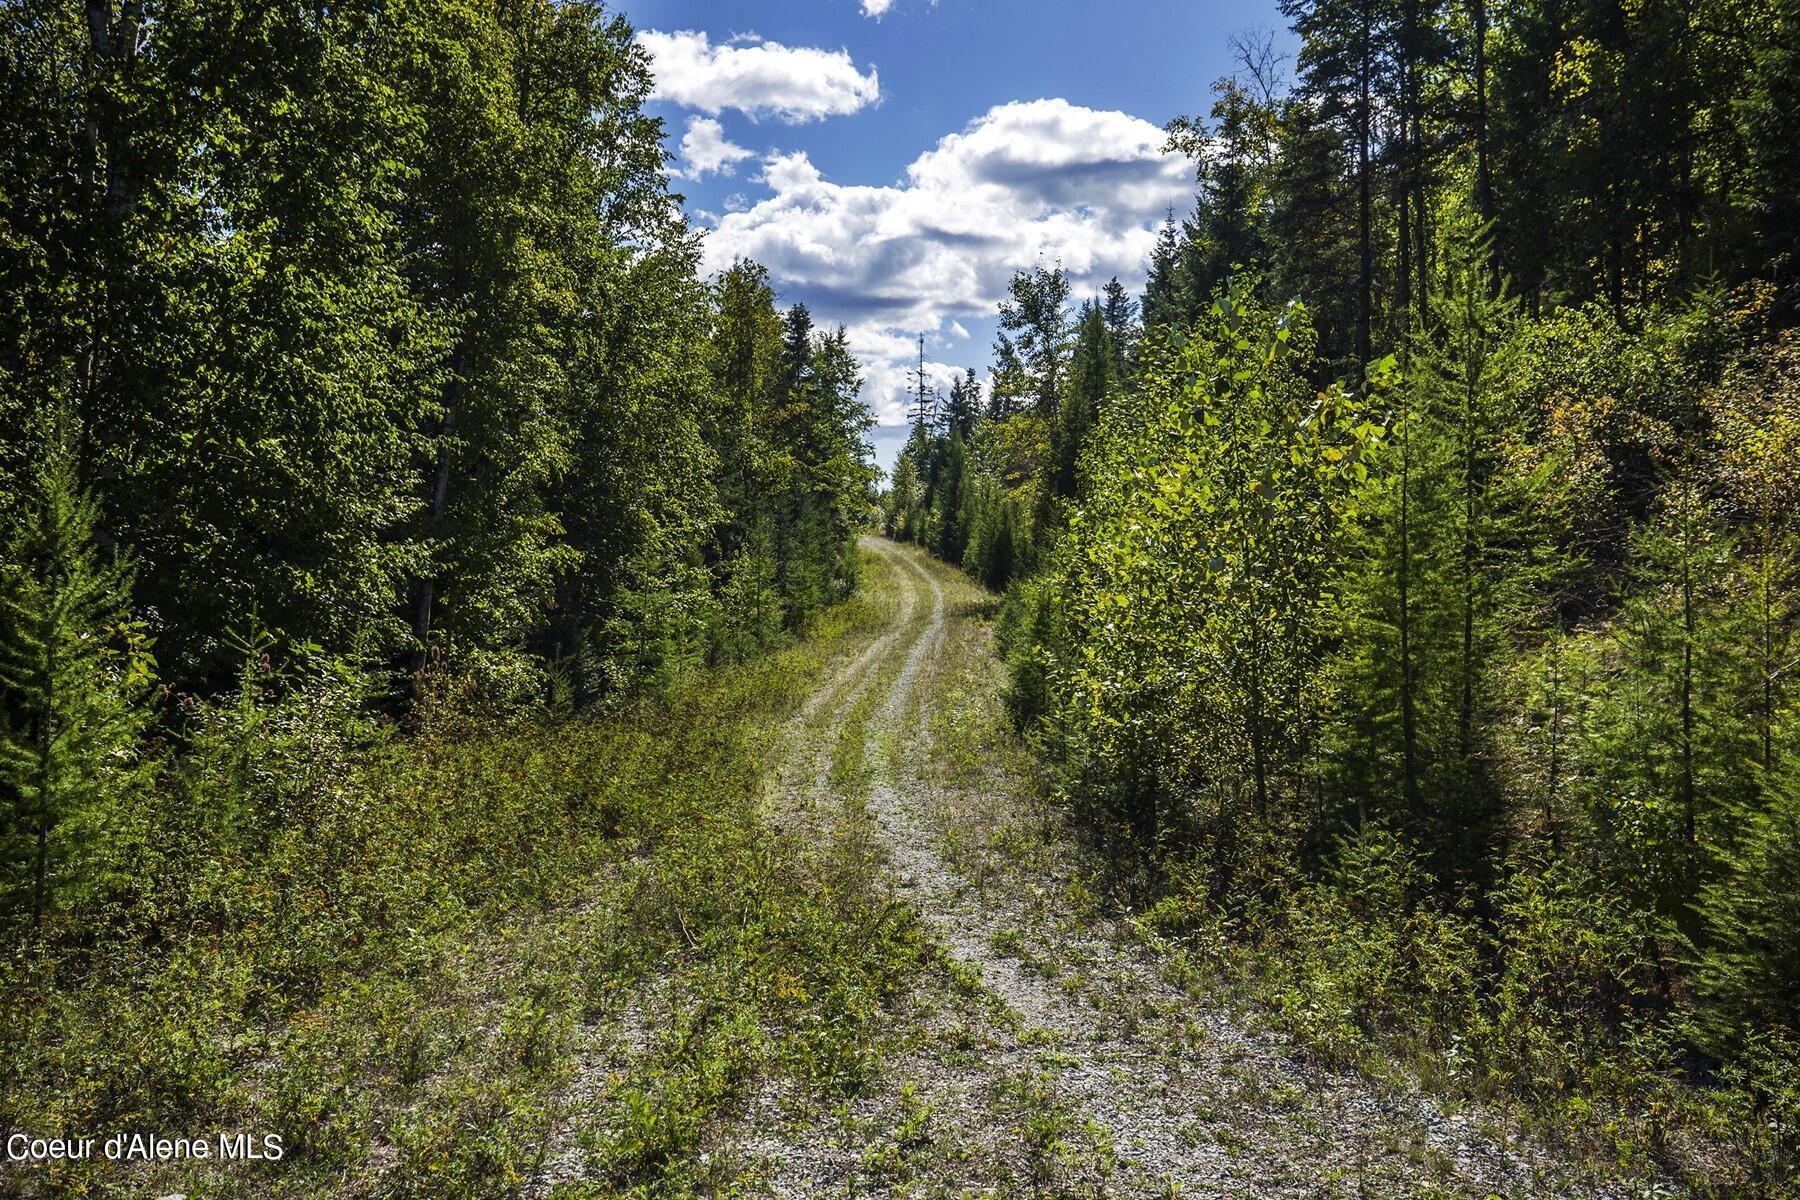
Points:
(814, 932)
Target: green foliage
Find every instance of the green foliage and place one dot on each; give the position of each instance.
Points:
(412, 288)
(1032, 640)
(1750, 970)
(1515, 613)
(1031, 352)
(1439, 586)
(1461, 692)
(1366, 950)
(791, 434)
(1572, 959)
(312, 893)
(1193, 595)
(73, 672)
(1092, 379)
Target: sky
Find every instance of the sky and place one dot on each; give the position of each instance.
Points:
(893, 162)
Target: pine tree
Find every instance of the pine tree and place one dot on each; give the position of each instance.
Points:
(72, 669)
(1090, 379)
(1755, 417)
(963, 408)
(1346, 66)
(950, 533)
(1165, 289)
(1232, 162)
(1434, 604)
(1750, 968)
(1769, 112)
(903, 499)
(1121, 313)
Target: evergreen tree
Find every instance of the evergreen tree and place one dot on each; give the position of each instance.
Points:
(1346, 67)
(1165, 289)
(1438, 597)
(1233, 160)
(1313, 231)
(1120, 312)
(1091, 378)
(1769, 112)
(903, 500)
(1750, 969)
(747, 348)
(1660, 738)
(73, 669)
(964, 406)
(949, 502)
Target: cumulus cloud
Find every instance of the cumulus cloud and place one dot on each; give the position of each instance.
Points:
(1041, 180)
(888, 356)
(706, 149)
(756, 77)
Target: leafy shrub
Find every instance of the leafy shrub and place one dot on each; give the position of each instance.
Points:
(1367, 949)
(1572, 958)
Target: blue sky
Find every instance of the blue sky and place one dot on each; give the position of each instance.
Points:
(893, 161)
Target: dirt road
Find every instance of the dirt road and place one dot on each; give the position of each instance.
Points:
(1047, 1053)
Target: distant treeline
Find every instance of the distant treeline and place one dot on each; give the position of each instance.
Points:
(1435, 636)
(368, 341)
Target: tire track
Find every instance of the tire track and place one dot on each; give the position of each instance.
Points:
(803, 758)
(1197, 1118)
(1105, 1081)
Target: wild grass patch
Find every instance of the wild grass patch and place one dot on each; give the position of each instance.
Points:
(390, 950)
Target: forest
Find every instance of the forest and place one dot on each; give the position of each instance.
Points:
(1405, 586)
(419, 576)
(425, 429)
(357, 383)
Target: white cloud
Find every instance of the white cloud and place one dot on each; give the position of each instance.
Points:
(888, 358)
(1041, 180)
(706, 149)
(878, 8)
(957, 331)
(756, 77)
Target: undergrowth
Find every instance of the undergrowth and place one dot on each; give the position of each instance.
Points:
(1548, 1006)
(395, 952)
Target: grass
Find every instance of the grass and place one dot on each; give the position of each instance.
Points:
(431, 964)
(1067, 1155)
(1011, 841)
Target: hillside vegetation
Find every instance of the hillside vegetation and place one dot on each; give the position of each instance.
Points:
(447, 717)
(1403, 590)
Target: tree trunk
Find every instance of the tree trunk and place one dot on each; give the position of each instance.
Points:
(440, 494)
(1554, 779)
(1409, 741)
(1259, 757)
(1770, 667)
(1466, 705)
(1421, 230)
(1412, 143)
(1403, 275)
(1366, 279)
(1484, 183)
(1687, 692)
(46, 750)
(112, 50)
